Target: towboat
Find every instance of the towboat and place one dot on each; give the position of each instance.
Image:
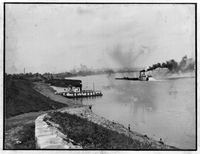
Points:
(142, 77)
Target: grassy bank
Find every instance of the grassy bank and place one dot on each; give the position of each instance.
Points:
(22, 98)
(20, 131)
(22, 106)
(21, 137)
(93, 136)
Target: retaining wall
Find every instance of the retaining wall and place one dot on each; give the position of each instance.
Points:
(48, 136)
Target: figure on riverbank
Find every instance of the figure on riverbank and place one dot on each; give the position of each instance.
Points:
(161, 141)
(129, 128)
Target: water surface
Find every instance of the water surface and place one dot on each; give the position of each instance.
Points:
(160, 109)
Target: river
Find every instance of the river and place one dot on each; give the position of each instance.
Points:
(164, 108)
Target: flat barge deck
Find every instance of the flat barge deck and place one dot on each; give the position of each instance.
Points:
(83, 93)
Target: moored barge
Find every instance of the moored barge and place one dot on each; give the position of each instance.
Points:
(83, 93)
(73, 88)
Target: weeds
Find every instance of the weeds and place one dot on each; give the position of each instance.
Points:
(93, 136)
(26, 137)
(22, 137)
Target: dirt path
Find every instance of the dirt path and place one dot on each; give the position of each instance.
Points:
(46, 90)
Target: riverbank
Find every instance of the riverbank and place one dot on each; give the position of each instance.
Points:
(20, 131)
(20, 128)
(49, 92)
(22, 98)
(22, 106)
(75, 108)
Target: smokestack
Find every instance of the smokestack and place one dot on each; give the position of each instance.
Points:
(142, 73)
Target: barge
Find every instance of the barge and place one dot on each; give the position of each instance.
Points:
(83, 93)
(73, 88)
(65, 83)
(127, 78)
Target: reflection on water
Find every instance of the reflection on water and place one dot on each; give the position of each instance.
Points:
(161, 109)
(87, 99)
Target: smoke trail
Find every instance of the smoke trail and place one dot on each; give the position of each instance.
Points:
(123, 59)
(144, 49)
(185, 65)
(127, 59)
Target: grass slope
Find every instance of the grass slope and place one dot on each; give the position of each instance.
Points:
(20, 131)
(93, 136)
(22, 106)
(22, 98)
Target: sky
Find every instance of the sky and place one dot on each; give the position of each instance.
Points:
(59, 37)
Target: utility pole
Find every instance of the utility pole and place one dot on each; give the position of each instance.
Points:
(25, 69)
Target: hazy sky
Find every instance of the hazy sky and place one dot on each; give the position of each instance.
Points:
(57, 37)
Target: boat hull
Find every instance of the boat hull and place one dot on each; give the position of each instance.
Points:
(126, 78)
(81, 94)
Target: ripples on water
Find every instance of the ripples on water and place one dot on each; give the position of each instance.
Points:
(160, 109)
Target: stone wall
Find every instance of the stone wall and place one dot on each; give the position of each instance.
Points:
(48, 136)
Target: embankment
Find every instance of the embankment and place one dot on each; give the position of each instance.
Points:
(47, 91)
(22, 98)
(85, 113)
(22, 106)
(80, 128)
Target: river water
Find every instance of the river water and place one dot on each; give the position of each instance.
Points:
(164, 108)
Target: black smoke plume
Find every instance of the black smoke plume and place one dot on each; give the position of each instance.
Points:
(185, 65)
